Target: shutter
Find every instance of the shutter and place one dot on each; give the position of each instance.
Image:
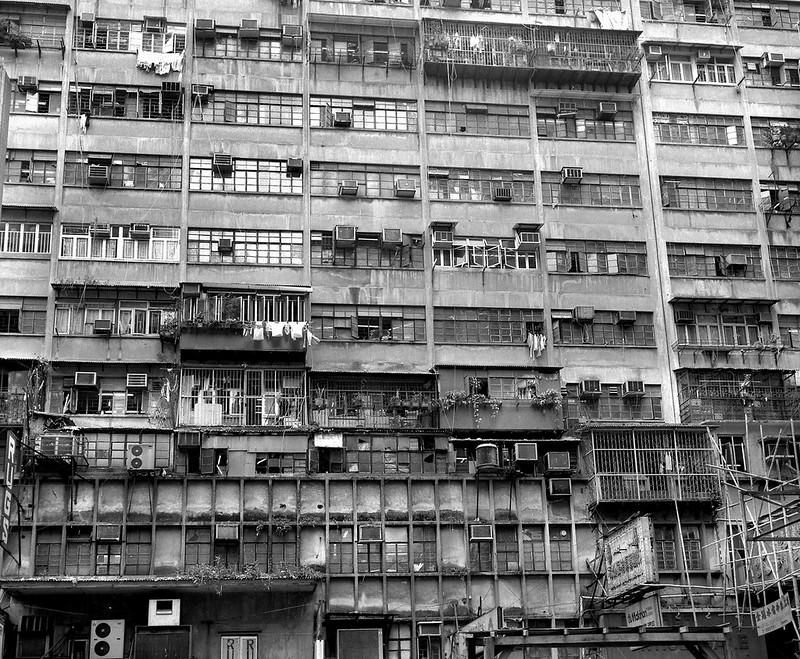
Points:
(313, 460)
(230, 112)
(354, 326)
(206, 460)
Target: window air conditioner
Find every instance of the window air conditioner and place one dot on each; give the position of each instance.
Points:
(136, 381)
(28, 84)
(559, 487)
(684, 316)
(590, 389)
(139, 231)
(249, 29)
(736, 261)
(225, 246)
(429, 628)
(155, 23)
(99, 174)
(202, 92)
(205, 28)
(526, 453)
(348, 188)
(502, 193)
(342, 119)
(101, 230)
(344, 236)
(170, 89)
(633, 389)
(87, 18)
(571, 175)
(292, 35)
(294, 166)
(772, 60)
(102, 326)
(527, 241)
(442, 238)
(567, 109)
(405, 187)
(107, 533)
(222, 164)
(479, 532)
(583, 314)
(192, 290)
(391, 238)
(607, 110)
(85, 379)
(557, 462)
(626, 317)
(704, 55)
(653, 53)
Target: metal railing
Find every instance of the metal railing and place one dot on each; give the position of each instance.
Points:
(715, 402)
(374, 408)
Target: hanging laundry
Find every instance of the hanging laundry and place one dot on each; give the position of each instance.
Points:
(531, 341)
(258, 332)
(159, 63)
(312, 340)
(32, 102)
(296, 330)
(84, 122)
(275, 329)
(287, 331)
(540, 343)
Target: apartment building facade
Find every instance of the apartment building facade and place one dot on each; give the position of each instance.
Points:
(354, 329)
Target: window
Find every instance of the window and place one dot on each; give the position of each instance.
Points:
(369, 557)
(732, 325)
(9, 321)
(785, 263)
(109, 558)
(22, 315)
(695, 260)
(340, 550)
(396, 549)
(25, 238)
(399, 644)
(124, 102)
(775, 133)
(560, 548)
(141, 172)
(610, 190)
(255, 547)
(425, 553)
(604, 330)
(280, 463)
(356, 50)
(684, 11)
(570, 7)
(777, 15)
(127, 36)
(48, 552)
(586, 122)
(706, 194)
(79, 556)
(227, 45)
(368, 323)
(673, 67)
(138, 548)
(134, 317)
(248, 247)
(283, 549)
(231, 307)
(482, 325)
(368, 252)
(375, 181)
(698, 129)
(487, 5)
(249, 108)
(238, 647)
(533, 548)
(480, 184)
(612, 405)
(716, 71)
(255, 176)
(365, 114)
(463, 118)
(789, 327)
(45, 26)
(198, 546)
(692, 548)
(757, 75)
(596, 257)
(664, 547)
(733, 451)
(780, 458)
(38, 167)
(485, 253)
(83, 241)
(507, 549)
(480, 556)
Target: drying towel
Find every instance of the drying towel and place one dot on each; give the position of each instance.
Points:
(275, 329)
(258, 332)
(296, 330)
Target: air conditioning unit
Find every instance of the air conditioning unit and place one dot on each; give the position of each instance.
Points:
(589, 389)
(479, 532)
(85, 379)
(188, 438)
(571, 175)
(28, 84)
(502, 194)
(192, 290)
(226, 532)
(342, 119)
(202, 92)
(222, 164)
(429, 628)
(370, 534)
(294, 166)
(139, 231)
(527, 241)
(633, 389)
(164, 613)
(102, 326)
(391, 238)
(155, 23)
(487, 457)
(567, 109)
(525, 453)
(344, 236)
(107, 639)
(751, 66)
(684, 316)
(557, 462)
(626, 317)
(107, 533)
(171, 89)
(653, 53)
(736, 261)
(100, 230)
(87, 17)
(583, 314)
(225, 246)
(292, 35)
(764, 318)
(348, 188)
(249, 29)
(703, 55)
(559, 487)
(434, 172)
(99, 174)
(607, 110)
(57, 445)
(141, 457)
(205, 28)
(136, 380)
(405, 187)
(442, 238)
(772, 60)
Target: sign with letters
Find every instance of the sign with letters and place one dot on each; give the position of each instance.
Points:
(8, 487)
(773, 616)
(629, 558)
(644, 613)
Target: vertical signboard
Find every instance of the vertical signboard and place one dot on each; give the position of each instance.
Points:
(773, 616)
(629, 558)
(8, 486)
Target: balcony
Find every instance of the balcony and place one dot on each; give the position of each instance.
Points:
(577, 55)
(12, 408)
(380, 404)
(730, 402)
(511, 415)
(660, 464)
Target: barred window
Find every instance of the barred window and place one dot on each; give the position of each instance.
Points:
(369, 252)
(711, 129)
(484, 325)
(596, 257)
(255, 176)
(785, 262)
(696, 260)
(584, 121)
(251, 108)
(775, 133)
(377, 181)
(477, 119)
(733, 325)
(679, 67)
(706, 194)
(363, 49)
(124, 102)
(140, 172)
(228, 45)
(117, 243)
(485, 253)
(485, 5)
(480, 184)
(664, 547)
(609, 190)
(25, 238)
(37, 167)
(776, 15)
(365, 113)
(368, 323)
(789, 327)
(44, 25)
(684, 11)
(44, 101)
(127, 36)
(569, 7)
(758, 75)
(128, 317)
(604, 330)
(612, 405)
(250, 247)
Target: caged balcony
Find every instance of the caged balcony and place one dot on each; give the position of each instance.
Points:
(727, 402)
(545, 53)
(659, 464)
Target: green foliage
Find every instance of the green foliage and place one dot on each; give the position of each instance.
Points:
(218, 574)
(10, 35)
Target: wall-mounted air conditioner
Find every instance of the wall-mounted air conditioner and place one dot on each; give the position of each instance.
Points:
(626, 317)
(571, 175)
(348, 188)
(607, 110)
(405, 187)
(292, 35)
(557, 462)
(140, 457)
(391, 238)
(205, 28)
(222, 164)
(559, 487)
(249, 29)
(583, 314)
(589, 389)
(102, 326)
(85, 379)
(139, 231)
(99, 174)
(633, 389)
(480, 532)
(136, 380)
(344, 235)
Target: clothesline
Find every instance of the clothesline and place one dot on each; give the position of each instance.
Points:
(259, 330)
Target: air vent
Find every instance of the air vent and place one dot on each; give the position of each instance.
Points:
(205, 28)
(249, 29)
(480, 532)
(171, 89)
(370, 534)
(342, 119)
(391, 238)
(559, 487)
(487, 457)
(607, 110)
(292, 35)
(502, 193)
(226, 532)
(405, 187)
(28, 84)
(344, 236)
(225, 246)
(85, 379)
(633, 389)
(626, 317)
(571, 175)
(348, 188)
(583, 314)
(653, 53)
(102, 326)
(222, 164)
(99, 174)
(136, 381)
(590, 389)
(557, 462)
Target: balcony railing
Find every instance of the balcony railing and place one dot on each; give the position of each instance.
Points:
(374, 407)
(718, 403)
(12, 408)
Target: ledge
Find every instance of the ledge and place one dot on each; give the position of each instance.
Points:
(36, 585)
